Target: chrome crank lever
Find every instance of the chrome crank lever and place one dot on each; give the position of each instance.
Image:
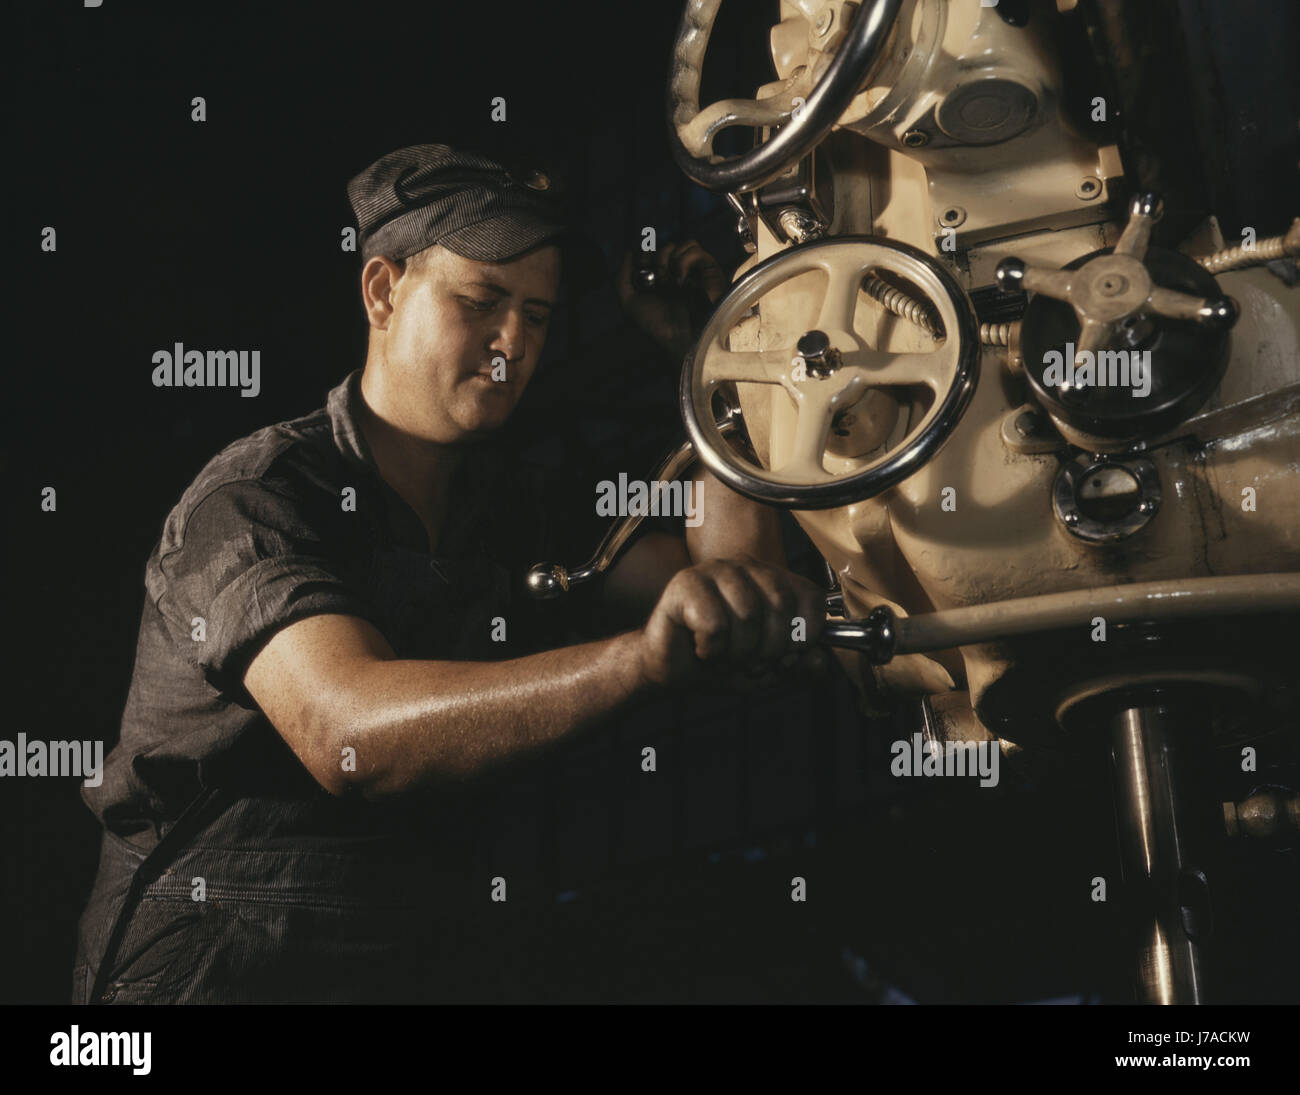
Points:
(550, 581)
(874, 635)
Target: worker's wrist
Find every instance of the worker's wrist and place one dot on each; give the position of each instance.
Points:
(627, 654)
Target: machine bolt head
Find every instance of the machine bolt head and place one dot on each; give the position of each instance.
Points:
(820, 358)
(799, 226)
(1089, 187)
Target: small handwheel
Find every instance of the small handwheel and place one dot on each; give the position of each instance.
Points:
(829, 368)
(692, 130)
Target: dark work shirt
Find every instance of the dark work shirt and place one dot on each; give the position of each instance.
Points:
(304, 895)
(269, 533)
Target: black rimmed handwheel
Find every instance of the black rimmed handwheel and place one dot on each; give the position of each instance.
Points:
(692, 130)
(827, 368)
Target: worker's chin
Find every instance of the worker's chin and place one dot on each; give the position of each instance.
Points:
(485, 416)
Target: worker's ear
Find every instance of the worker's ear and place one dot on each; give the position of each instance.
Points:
(379, 279)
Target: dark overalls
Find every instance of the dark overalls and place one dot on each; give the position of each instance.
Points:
(227, 874)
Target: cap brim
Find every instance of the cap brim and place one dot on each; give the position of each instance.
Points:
(502, 238)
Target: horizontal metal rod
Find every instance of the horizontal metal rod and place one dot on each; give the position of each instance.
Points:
(1184, 598)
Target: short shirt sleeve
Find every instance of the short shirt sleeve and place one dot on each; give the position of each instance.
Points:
(248, 560)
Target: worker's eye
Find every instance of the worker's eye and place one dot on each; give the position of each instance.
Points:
(538, 319)
(479, 304)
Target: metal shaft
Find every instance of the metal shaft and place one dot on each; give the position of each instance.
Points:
(1177, 599)
(1164, 889)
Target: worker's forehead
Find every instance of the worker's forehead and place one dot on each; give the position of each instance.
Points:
(538, 268)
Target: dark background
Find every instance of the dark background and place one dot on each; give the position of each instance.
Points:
(624, 886)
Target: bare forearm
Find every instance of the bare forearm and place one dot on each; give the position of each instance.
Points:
(417, 722)
(364, 721)
(733, 525)
(730, 525)
(634, 585)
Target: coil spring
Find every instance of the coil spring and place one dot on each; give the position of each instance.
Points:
(1237, 258)
(913, 310)
(995, 334)
(902, 305)
(1234, 258)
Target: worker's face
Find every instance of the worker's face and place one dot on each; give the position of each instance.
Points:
(463, 339)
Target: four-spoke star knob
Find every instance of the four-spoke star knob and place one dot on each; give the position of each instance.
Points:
(1109, 289)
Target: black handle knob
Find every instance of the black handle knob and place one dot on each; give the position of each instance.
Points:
(1010, 275)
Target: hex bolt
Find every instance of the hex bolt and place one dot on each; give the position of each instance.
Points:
(1089, 187)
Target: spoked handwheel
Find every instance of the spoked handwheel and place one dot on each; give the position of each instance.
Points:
(692, 130)
(828, 369)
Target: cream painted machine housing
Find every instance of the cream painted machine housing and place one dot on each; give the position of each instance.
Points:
(965, 114)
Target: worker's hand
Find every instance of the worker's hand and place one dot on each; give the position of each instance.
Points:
(688, 282)
(731, 615)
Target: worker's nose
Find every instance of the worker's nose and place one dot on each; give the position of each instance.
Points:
(510, 339)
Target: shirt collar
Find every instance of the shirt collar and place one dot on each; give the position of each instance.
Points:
(477, 491)
(343, 407)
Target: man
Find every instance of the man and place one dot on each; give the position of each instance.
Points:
(319, 682)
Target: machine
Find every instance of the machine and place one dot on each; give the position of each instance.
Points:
(1052, 466)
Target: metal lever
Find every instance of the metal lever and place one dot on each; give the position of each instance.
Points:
(874, 635)
(548, 581)
(882, 635)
